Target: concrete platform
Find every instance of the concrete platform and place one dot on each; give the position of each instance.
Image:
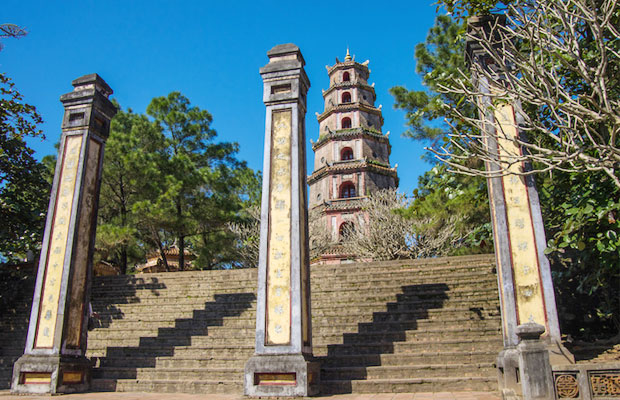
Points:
(6, 395)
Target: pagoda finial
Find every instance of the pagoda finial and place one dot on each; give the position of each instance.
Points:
(348, 56)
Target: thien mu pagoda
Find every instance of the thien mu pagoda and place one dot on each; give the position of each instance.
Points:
(351, 156)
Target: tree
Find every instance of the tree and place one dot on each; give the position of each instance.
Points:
(579, 209)
(130, 173)
(24, 191)
(198, 194)
(442, 194)
(247, 234)
(442, 55)
(581, 213)
(387, 232)
(12, 31)
(560, 61)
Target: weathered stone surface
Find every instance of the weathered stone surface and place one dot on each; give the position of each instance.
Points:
(54, 356)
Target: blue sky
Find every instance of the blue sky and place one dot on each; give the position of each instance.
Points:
(211, 52)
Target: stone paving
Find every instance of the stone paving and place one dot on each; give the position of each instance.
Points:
(6, 395)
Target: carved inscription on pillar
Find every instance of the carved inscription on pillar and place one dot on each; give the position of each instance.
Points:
(46, 325)
(278, 318)
(529, 296)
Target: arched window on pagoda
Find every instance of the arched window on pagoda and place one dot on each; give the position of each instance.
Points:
(346, 77)
(346, 122)
(347, 190)
(345, 231)
(346, 154)
(346, 97)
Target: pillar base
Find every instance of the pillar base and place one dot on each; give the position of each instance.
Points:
(508, 374)
(281, 375)
(43, 374)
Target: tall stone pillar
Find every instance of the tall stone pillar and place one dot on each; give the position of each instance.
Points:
(282, 364)
(524, 275)
(54, 358)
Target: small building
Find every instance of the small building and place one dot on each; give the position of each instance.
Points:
(155, 262)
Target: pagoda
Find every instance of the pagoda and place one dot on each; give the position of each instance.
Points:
(351, 156)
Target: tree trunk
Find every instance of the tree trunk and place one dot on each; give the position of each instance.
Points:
(124, 260)
(181, 253)
(161, 250)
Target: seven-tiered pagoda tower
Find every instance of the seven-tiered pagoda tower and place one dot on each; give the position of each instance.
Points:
(351, 156)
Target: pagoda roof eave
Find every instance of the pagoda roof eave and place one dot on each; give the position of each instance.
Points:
(350, 133)
(349, 84)
(354, 165)
(347, 64)
(349, 107)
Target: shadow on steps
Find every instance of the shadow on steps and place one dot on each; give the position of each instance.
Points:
(16, 290)
(168, 339)
(108, 311)
(349, 361)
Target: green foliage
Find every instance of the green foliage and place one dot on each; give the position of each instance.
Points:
(130, 172)
(24, 191)
(441, 196)
(581, 214)
(167, 182)
(438, 59)
(460, 9)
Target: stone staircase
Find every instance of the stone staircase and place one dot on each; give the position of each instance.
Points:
(399, 326)
(17, 286)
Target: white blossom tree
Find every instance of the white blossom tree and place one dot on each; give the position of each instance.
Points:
(558, 62)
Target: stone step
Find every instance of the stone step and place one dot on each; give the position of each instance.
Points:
(160, 373)
(406, 372)
(457, 291)
(421, 346)
(206, 282)
(6, 373)
(174, 361)
(430, 357)
(318, 302)
(319, 341)
(317, 285)
(238, 361)
(362, 317)
(168, 386)
(415, 266)
(320, 325)
(164, 347)
(237, 309)
(412, 385)
(212, 351)
(318, 333)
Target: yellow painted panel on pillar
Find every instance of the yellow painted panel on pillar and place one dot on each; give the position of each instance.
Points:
(46, 324)
(36, 378)
(72, 377)
(526, 270)
(279, 245)
(275, 379)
